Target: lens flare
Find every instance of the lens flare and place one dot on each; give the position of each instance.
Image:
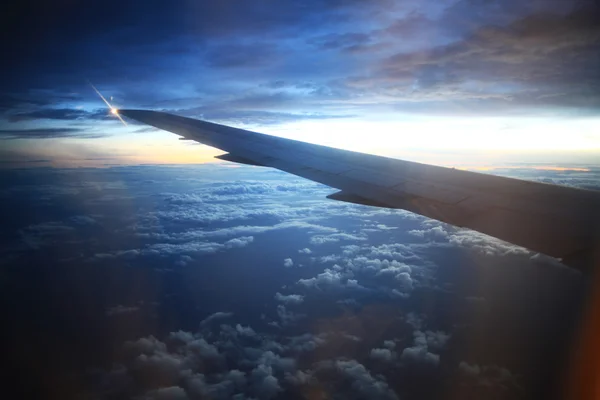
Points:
(114, 111)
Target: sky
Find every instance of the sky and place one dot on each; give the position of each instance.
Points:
(452, 82)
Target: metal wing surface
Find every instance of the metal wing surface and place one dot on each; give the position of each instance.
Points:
(559, 221)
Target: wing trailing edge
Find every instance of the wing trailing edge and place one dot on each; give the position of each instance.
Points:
(559, 221)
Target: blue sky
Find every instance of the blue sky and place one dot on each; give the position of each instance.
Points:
(450, 82)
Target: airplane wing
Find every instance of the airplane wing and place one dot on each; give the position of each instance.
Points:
(559, 221)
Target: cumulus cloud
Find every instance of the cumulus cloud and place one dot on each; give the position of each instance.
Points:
(248, 230)
(389, 344)
(289, 299)
(362, 382)
(468, 239)
(239, 242)
(334, 238)
(434, 340)
(181, 249)
(419, 355)
(245, 330)
(415, 320)
(405, 283)
(331, 279)
(195, 363)
(288, 263)
(437, 232)
(299, 378)
(423, 345)
(288, 317)
(385, 355)
(305, 342)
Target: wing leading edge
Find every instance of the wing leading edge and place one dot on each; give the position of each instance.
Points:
(559, 221)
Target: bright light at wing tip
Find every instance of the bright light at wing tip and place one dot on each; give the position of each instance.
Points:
(114, 111)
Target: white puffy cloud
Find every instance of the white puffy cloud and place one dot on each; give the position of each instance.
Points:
(334, 278)
(328, 278)
(239, 242)
(484, 244)
(394, 251)
(424, 344)
(247, 230)
(306, 250)
(289, 299)
(288, 263)
(420, 355)
(245, 330)
(468, 239)
(335, 237)
(405, 282)
(437, 232)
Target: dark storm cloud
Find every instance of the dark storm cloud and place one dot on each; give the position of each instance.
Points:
(48, 133)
